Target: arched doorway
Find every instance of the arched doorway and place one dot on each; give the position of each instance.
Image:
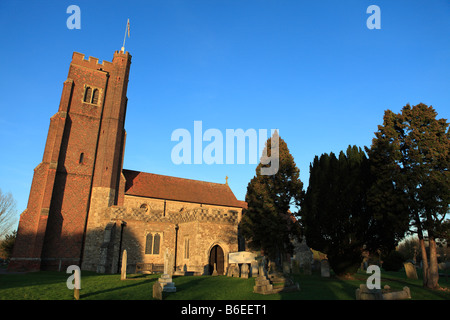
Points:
(216, 256)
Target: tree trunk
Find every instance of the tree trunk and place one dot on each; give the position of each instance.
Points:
(433, 270)
(424, 259)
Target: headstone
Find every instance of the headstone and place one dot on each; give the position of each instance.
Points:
(254, 268)
(398, 295)
(302, 253)
(123, 274)
(233, 270)
(244, 271)
(262, 284)
(410, 270)
(324, 268)
(364, 293)
(170, 264)
(307, 268)
(157, 291)
(166, 279)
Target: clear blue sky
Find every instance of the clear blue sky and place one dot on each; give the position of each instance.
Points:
(311, 69)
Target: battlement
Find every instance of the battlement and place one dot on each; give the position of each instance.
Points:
(92, 63)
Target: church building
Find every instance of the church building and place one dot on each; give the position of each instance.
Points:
(84, 209)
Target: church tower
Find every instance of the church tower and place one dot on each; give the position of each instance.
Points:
(82, 163)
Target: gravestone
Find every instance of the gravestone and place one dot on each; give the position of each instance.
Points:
(324, 268)
(166, 279)
(303, 254)
(244, 271)
(307, 268)
(123, 273)
(233, 270)
(157, 291)
(364, 293)
(398, 295)
(254, 269)
(262, 284)
(410, 270)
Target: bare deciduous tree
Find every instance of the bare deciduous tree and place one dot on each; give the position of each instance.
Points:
(8, 216)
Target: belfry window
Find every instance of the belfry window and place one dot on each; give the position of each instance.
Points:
(88, 94)
(91, 95)
(95, 96)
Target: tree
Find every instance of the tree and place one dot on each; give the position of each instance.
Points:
(412, 148)
(7, 213)
(7, 245)
(267, 224)
(335, 215)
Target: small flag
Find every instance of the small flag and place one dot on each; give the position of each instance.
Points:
(128, 27)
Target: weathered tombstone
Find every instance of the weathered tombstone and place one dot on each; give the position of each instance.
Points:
(170, 264)
(157, 291)
(233, 270)
(244, 271)
(166, 279)
(123, 273)
(302, 254)
(262, 284)
(254, 268)
(398, 295)
(364, 293)
(307, 268)
(324, 268)
(410, 270)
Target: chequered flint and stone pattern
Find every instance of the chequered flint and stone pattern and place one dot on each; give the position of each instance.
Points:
(186, 215)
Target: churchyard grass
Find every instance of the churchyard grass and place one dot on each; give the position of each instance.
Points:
(52, 286)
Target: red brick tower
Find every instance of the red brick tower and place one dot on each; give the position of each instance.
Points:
(83, 152)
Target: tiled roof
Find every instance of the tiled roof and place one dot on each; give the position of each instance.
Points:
(179, 189)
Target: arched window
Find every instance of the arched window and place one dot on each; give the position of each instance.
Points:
(152, 243)
(148, 243)
(87, 95)
(156, 242)
(95, 96)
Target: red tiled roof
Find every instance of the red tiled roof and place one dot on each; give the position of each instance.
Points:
(172, 188)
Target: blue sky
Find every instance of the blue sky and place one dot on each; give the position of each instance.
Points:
(311, 69)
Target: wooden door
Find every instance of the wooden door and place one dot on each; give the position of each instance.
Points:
(216, 256)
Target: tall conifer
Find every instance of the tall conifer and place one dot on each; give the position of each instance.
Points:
(268, 223)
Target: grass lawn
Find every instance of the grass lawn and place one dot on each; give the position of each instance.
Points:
(52, 286)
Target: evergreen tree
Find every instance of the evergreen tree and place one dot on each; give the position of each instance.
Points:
(411, 153)
(267, 224)
(335, 215)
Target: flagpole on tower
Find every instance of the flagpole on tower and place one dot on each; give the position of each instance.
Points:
(127, 30)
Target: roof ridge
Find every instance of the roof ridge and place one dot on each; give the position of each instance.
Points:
(164, 175)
